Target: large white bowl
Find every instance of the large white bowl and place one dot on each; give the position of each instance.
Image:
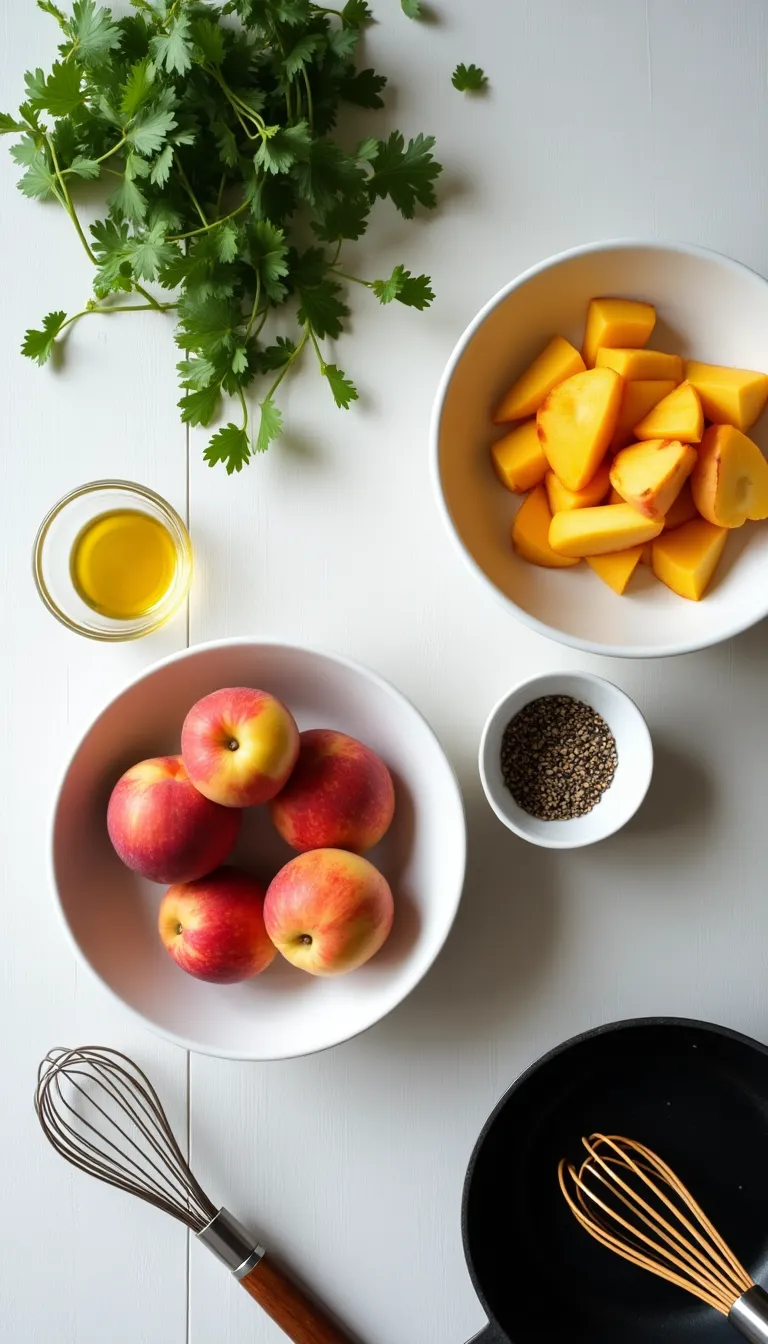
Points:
(111, 913)
(709, 308)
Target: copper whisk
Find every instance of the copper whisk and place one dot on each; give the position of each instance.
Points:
(630, 1201)
(100, 1111)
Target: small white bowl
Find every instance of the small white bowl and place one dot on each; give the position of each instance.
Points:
(630, 783)
(709, 308)
(111, 913)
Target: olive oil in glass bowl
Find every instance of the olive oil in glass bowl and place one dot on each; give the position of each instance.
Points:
(112, 560)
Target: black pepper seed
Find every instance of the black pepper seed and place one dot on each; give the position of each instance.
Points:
(558, 757)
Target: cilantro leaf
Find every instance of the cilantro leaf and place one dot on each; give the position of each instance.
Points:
(108, 247)
(230, 446)
(149, 252)
(367, 149)
(413, 291)
(275, 356)
(343, 41)
(323, 309)
(150, 130)
(49, 8)
(269, 251)
(469, 78)
(287, 146)
(270, 425)
(356, 13)
(200, 407)
(344, 391)
(38, 181)
(138, 88)
(227, 144)
(226, 241)
(93, 33)
(39, 344)
(412, 8)
(173, 49)
(344, 218)
(327, 174)
(8, 125)
(196, 373)
(301, 54)
(34, 83)
(364, 89)
(161, 168)
(62, 92)
(86, 168)
(406, 175)
(128, 200)
(208, 37)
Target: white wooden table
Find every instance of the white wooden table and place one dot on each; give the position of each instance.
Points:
(647, 118)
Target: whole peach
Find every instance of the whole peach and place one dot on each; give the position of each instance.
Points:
(163, 828)
(339, 796)
(328, 911)
(239, 746)
(214, 927)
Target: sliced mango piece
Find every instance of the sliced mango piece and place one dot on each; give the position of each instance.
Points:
(519, 459)
(622, 322)
(610, 527)
(650, 475)
(646, 553)
(632, 364)
(576, 424)
(729, 483)
(682, 510)
(728, 396)
(677, 416)
(561, 498)
(637, 399)
(615, 497)
(530, 532)
(686, 558)
(557, 361)
(617, 567)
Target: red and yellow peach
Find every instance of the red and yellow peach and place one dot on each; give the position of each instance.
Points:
(214, 927)
(339, 796)
(328, 911)
(239, 746)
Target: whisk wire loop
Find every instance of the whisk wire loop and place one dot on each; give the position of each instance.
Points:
(100, 1111)
(634, 1204)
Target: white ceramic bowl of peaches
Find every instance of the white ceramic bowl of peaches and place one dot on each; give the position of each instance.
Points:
(598, 448)
(259, 848)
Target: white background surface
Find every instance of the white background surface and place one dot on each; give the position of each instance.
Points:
(648, 117)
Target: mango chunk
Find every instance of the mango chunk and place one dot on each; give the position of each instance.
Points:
(650, 475)
(576, 424)
(632, 364)
(676, 416)
(519, 459)
(682, 510)
(728, 396)
(729, 483)
(616, 322)
(615, 497)
(530, 532)
(557, 361)
(686, 558)
(646, 553)
(616, 567)
(561, 498)
(610, 527)
(637, 399)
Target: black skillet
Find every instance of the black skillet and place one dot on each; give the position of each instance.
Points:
(698, 1095)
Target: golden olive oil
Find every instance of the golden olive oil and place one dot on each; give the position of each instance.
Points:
(123, 563)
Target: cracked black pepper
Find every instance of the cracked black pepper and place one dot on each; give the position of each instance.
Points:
(558, 757)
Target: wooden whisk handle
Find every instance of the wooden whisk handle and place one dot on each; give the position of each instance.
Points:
(301, 1319)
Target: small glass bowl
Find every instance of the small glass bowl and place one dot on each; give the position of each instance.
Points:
(57, 535)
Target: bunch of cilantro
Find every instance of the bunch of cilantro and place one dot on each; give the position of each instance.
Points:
(211, 127)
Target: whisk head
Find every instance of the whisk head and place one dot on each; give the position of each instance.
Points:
(100, 1112)
(630, 1201)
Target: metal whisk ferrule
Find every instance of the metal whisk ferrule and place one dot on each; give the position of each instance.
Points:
(232, 1243)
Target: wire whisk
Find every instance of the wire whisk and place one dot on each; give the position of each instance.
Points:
(627, 1198)
(99, 1110)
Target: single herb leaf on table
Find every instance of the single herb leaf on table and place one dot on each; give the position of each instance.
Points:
(469, 79)
(210, 132)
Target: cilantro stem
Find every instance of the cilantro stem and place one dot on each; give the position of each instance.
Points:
(193, 233)
(310, 104)
(244, 425)
(186, 185)
(116, 308)
(264, 315)
(68, 206)
(108, 154)
(255, 307)
(291, 360)
(354, 278)
(151, 300)
(219, 194)
(318, 351)
(337, 253)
